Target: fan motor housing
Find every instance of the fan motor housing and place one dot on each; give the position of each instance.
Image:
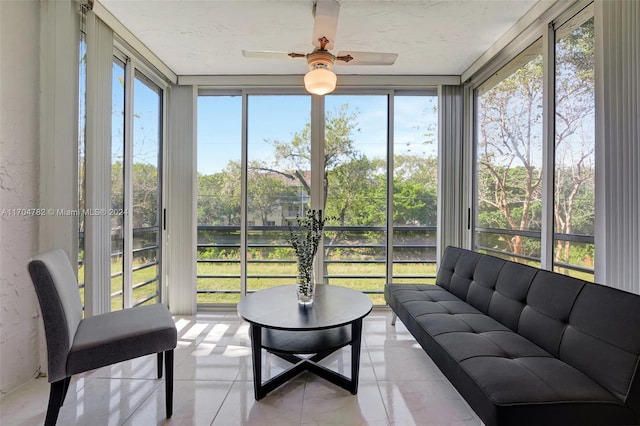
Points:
(320, 58)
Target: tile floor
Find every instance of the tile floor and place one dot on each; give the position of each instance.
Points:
(399, 385)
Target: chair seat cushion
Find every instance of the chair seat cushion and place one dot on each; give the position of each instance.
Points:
(118, 336)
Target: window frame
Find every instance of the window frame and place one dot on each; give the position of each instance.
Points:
(545, 28)
(317, 133)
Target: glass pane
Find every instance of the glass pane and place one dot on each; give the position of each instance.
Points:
(509, 159)
(219, 203)
(117, 186)
(415, 188)
(574, 204)
(279, 152)
(145, 181)
(356, 191)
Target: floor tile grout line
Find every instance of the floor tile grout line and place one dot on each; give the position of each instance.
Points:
(222, 403)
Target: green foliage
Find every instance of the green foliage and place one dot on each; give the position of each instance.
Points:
(510, 151)
(145, 186)
(219, 197)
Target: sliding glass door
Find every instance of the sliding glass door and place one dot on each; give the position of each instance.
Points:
(136, 147)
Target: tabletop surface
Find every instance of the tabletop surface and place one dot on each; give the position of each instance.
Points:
(278, 308)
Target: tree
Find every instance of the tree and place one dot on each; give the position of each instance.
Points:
(266, 191)
(145, 195)
(509, 146)
(574, 185)
(295, 155)
(415, 195)
(219, 196)
(510, 116)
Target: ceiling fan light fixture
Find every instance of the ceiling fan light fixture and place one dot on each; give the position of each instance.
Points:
(320, 80)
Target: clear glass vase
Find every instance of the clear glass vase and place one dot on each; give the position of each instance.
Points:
(306, 290)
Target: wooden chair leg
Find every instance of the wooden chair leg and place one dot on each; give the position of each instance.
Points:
(56, 396)
(160, 365)
(168, 382)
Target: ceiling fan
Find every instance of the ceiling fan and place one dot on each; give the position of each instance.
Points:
(320, 80)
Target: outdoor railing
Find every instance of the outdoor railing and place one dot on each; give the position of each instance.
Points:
(281, 233)
(535, 235)
(582, 239)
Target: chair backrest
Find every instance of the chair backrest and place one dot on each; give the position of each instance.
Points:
(57, 290)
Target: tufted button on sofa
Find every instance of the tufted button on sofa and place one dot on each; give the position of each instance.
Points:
(525, 346)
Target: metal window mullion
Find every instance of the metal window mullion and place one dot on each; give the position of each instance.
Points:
(469, 165)
(317, 171)
(127, 258)
(244, 193)
(548, 148)
(474, 141)
(161, 238)
(390, 181)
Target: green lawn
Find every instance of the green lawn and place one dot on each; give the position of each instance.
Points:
(139, 276)
(358, 271)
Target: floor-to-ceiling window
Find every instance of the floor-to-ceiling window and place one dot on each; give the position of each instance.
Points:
(136, 137)
(415, 188)
(509, 159)
(278, 183)
(120, 185)
(512, 173)
(240, 253)
(219, 201)
(145, 196)
(574, 199)
(355, 152)
(117, 183)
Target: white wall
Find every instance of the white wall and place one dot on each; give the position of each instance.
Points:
(19, 164)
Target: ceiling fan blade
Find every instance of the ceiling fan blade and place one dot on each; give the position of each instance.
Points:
(326, 22)
(366, 58)
(267, 54)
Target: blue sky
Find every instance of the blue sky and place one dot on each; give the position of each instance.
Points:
(278, 117)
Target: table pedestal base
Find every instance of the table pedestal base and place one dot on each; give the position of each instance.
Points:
(289, 344)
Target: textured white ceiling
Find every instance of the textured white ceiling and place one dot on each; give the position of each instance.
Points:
(206, 37)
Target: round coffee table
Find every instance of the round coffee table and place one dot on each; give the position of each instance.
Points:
(280, 325)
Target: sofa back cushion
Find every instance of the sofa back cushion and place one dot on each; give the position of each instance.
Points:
(483, 284)
(456, 270)
(602, 339)
(510, 297)
(494, 286)
(546, 314)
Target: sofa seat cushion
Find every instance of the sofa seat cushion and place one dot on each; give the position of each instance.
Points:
(530, 380)
(500, 344)
(510, 369)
